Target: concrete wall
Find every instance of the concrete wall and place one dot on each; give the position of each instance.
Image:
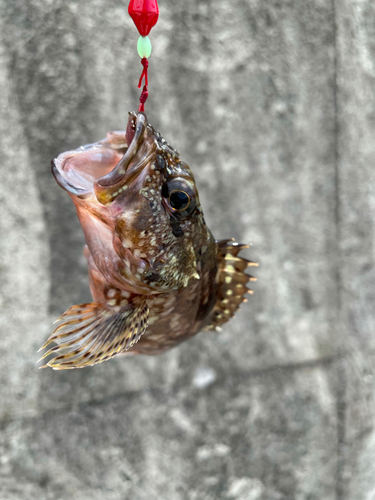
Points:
(273, 106)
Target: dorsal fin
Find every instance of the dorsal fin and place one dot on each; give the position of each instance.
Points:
(232, 280)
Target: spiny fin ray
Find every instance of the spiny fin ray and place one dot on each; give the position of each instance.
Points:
(231, 278)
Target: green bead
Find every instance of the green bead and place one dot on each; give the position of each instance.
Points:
(144, 46)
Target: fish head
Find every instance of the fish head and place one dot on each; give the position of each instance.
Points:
(138, 203)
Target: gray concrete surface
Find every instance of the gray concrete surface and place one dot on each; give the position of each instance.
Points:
(272, 104)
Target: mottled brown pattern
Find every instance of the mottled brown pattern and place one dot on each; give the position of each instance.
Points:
(157, 276)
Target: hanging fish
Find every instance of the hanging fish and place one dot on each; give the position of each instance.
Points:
(157, 276)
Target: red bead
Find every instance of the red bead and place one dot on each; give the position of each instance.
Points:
(145, 14)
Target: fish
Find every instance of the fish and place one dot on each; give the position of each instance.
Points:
(157, 275)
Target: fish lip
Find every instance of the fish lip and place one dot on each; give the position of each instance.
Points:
(108, 187)
(63, 182)
(118, 173)
(76, 170)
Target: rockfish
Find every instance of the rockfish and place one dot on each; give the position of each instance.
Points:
(157, 275)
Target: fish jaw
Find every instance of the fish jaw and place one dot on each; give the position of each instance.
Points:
(105, 168)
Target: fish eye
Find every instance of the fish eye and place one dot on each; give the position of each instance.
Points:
(179, 200)
(179, 197)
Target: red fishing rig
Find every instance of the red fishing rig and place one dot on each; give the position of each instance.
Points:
(145, 14)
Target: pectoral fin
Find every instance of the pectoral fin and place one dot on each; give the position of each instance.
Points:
(90, 333)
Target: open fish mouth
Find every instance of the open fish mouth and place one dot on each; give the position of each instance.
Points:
(105, 167)
(77, 171)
